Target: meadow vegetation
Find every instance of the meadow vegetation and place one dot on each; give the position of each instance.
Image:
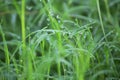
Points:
(59, 39)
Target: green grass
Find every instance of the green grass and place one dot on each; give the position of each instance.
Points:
(59, 40)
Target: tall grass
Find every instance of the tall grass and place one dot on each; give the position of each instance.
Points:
(100, 16)
(23, 24)
(6, 51)
(59, 40)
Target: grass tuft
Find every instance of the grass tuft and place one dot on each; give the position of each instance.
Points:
(59, 40)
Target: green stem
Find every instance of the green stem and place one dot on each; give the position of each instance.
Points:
(23, 39)
(5, 47)
(23, 25)
(107, 9)
(100, 17)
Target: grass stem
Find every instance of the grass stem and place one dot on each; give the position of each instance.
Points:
(100, 17)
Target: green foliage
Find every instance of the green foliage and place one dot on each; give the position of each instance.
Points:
(59, 39)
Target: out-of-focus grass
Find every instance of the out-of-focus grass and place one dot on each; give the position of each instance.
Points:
(59, 39)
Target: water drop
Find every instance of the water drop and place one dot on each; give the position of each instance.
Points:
(62, 27)
(29, 8)
(59, 21)
(48, 19)
(85, 36)
(58, 17)
(70, 36)
(48, 0)
(117, 34)
(63, 33)
(48, 24)
(80, 33)
(19, 75)
(65, 70)
(90, 20)
(28, 28)
(51, 13)
(111, 68)
(21, 60)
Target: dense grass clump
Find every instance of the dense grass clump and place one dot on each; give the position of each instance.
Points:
(59, 40)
